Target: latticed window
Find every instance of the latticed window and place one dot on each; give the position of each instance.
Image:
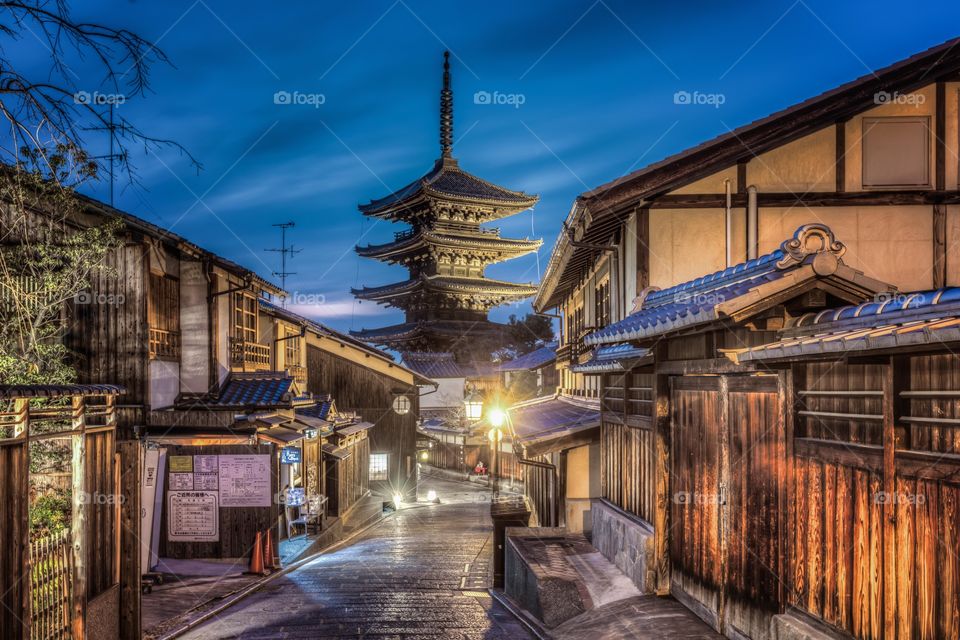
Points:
(292, 350)
(378, 466)
(163, 316)
(244, 317)
(602, 302)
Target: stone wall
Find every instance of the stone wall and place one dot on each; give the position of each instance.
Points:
(103, 614)
(626, 541)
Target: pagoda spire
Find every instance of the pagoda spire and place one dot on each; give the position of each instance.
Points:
(446, 111)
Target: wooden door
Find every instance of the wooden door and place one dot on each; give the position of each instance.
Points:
(754, 511)
(727, 483)
(695, 494)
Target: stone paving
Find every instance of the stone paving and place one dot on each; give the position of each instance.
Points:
(422, 573)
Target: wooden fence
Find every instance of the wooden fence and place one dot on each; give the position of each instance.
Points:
(50, 587)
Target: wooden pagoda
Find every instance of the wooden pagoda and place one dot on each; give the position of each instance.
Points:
(445, 250)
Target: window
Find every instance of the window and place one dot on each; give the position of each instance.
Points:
(378, 466)
(602, 302)
(244, 317)
(291, 356)
(896, 152)
(163, 316)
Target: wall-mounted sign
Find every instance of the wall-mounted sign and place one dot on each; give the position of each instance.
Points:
(180, 464)
(401, 404)
(245, 480)
(291, 455)
(192, 516)
(181, 482)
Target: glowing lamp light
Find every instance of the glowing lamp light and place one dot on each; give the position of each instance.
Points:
(397, 499)
(424, 455)
(497, 417)
(431, 496)
(473, 405)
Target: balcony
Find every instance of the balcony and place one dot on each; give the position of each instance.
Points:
(164, 344)
(249, 356)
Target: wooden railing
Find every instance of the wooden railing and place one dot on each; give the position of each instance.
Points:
(50, 559)
(249, 355)
(164, 344)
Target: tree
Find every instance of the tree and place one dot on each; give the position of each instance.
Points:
(525, 333)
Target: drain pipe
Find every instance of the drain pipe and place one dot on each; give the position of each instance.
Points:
(752, 222)
(728, 220)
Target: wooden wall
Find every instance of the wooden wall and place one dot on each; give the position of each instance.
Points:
(542, 487)
(371, 394)
(14, 552)
(101, 514)
(627, 453)
(348, 479)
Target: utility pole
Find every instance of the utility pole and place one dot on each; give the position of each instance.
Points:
(284, 251)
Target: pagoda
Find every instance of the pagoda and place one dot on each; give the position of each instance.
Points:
(446, 297)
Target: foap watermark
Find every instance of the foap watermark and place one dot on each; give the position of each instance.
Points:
(299, 98)
(514, 100)
(706, 299)
(893, 299)
(95, 497)
(697, 498)
(899, 498)
(895, 97)
(307, 299)
(98, 298)
(97, 98)
(699, 98)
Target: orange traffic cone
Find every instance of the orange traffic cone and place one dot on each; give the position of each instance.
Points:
(268, 551)
(256, 558)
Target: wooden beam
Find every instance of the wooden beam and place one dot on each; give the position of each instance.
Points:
(742, 177)
(129, 548)
(20, 545)
(809, 199)
(661, 515)
(841, 151)
(890, 401)
(939, 246)
(940, 128)
(78, 524)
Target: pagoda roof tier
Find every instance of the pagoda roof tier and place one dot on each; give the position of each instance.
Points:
(448, 183)
(482, 241)
(411, 335)
(448, 286)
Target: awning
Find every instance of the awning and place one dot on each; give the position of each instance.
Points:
(613, 358)
(356, 427)
(310, 422)
(280, 435)
(334, 451)
(554, 424)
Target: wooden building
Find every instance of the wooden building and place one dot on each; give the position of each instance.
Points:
(531, 375)
(775, 439)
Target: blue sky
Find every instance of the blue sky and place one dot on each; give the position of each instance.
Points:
(596, 80)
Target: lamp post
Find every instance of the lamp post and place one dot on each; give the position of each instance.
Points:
(472, 410)
(496, 417)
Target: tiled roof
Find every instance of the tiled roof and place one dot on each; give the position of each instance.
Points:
(442, 283)
(552, 418)
(260, 389)
(320, 410)
(613, 357)
(533, 360)
(912, 319)
(813, 252)
(10, 391)
(448, 179)
(433, 364)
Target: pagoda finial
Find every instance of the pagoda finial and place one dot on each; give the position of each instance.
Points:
(446, 111)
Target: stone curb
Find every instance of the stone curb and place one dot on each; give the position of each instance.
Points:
(532, 625)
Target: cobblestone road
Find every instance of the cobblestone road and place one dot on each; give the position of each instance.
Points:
(421, 573)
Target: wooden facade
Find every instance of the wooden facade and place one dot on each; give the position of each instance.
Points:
(371, 395)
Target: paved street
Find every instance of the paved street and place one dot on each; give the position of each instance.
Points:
(421, 573)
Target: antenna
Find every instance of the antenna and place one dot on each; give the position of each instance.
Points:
(284, 250)
(112, 157)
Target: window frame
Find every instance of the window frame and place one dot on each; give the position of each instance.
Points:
(163, 314)
(867, 123)
(379, 475)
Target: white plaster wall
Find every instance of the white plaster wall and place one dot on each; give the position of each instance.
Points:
(194, 329)
(164, 383)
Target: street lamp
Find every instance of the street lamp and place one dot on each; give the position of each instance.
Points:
(497, 417)
(473, 404)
